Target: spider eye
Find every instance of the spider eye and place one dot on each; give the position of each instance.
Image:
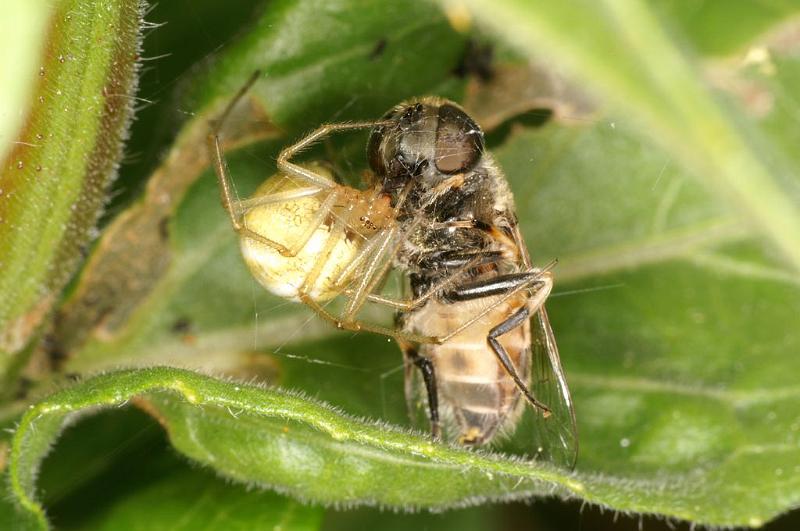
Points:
(459, 141)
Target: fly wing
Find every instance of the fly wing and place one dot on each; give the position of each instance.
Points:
(555, 435)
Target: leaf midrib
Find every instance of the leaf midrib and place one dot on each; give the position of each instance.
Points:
(676, 243)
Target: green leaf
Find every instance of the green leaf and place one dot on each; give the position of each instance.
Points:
(8, 514)
(191, 500)
(121, 462)
(718, 27)
(53, 181)
(311, 78)
(651, 80)
(270, 437)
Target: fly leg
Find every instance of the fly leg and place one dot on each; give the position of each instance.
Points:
(425, 366)
(507, 285)
(538, 281)
(518, 318)
(465, 261)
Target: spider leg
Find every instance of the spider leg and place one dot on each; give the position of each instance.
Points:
(218, 157)
(470, 261)
(347, 322)
(290, 168)
(235, 208)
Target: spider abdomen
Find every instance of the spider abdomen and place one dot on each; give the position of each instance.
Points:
(290, 222)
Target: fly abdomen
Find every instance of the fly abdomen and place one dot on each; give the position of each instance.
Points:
(475, 391)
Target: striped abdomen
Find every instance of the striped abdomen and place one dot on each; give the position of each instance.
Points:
(475, 392)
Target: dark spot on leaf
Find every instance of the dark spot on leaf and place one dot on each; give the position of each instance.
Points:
(56, 353)
(163, 228)
(378, 50)
(182, 325)
(24, 385)
(476, 61)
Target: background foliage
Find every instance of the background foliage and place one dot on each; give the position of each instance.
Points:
(651, 148)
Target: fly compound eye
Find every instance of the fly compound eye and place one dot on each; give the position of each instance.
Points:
(377, 150)
(397, 147)
(459, 141)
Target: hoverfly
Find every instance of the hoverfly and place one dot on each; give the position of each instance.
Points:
(440, 212)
